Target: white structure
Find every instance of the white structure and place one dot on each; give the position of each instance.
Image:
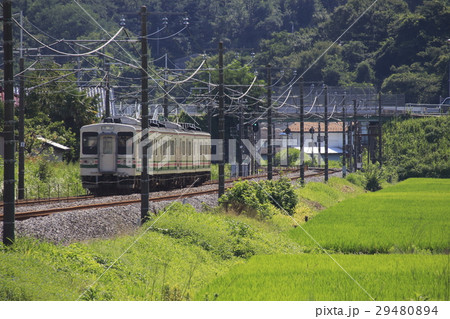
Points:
(311, 142)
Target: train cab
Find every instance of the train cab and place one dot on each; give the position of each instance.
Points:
(107, 158)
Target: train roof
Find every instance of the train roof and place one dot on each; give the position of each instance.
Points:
(186, 127)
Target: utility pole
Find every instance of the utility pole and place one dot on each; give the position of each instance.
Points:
(221, 123)
(269, 123)
(21, 184)
(344, 153)
(326, 132)
(302, 135)
(9, 162)
(380, 160)
(355, 138)
(144, 114)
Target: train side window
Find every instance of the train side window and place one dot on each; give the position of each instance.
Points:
(90, 141)
(150, 149)
(164, 148)
(172, 147)
(183, 147)
(190, 148)
(125, 143)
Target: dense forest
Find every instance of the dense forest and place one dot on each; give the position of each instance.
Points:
(398, 46)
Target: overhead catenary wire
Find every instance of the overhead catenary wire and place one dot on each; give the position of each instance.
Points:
(246, 92)
(66, 53)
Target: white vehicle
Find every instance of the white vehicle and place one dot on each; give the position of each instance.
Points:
(111, 152)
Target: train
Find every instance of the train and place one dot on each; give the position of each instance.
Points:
(111, 155)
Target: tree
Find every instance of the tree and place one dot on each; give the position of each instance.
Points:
(364, 73)
(417, 85)
(57, 110)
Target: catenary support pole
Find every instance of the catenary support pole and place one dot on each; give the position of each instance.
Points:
(144, 113)
(302, 135)
(240, 137)
(165, 98)
(326, 132)
(319, 145)
(269, 124)
(344, 153)
(355, 138)
(107, 93)
(221, 124)
(9, 161)
(349, 147)
(21, 184)
(380, 155)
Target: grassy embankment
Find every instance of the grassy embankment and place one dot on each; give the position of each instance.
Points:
(180, 254)
(411, 217)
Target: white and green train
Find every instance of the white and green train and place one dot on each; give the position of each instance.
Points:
(111, 155)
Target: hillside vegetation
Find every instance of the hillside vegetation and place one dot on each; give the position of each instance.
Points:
(399, 46)
(418, 147)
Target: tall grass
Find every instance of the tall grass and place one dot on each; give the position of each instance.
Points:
(44, 178)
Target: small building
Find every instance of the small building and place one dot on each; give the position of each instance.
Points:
(57, 150)
(312, 141)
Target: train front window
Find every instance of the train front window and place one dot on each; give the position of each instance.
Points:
(125, 143)
(89, 143)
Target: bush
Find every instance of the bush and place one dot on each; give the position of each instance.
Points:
(356, 179)
(258, 199)
(247, 198)
(282, 194)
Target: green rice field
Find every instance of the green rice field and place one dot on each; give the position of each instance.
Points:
(318, 277)
(388, 245)
(408, 217)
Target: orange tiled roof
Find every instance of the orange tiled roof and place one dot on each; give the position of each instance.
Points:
(332, 127)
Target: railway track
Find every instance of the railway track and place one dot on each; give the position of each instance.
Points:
(46, 212)
(31, 202)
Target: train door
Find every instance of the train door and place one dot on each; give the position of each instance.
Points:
(107, 158)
